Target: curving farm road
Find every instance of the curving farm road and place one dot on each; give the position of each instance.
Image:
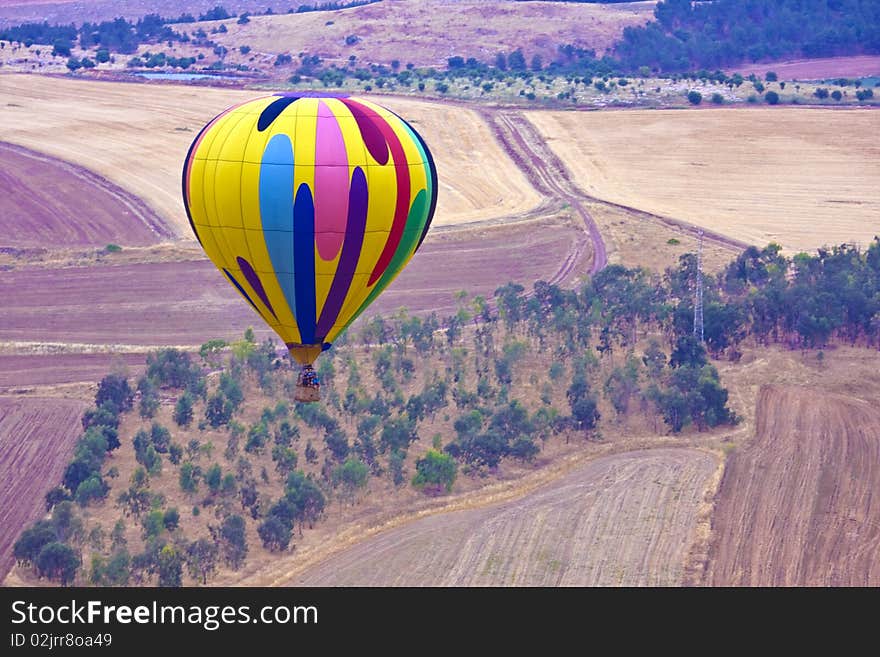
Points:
(547, 173)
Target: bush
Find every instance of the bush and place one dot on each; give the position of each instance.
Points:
(717, 98)
(771, 97)
(435, 471)
(821, 93)
(695, 97)
(770, 76)
(836, 95)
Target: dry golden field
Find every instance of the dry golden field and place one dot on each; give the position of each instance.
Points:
(137, 135)
(800, 177)
(427, 32)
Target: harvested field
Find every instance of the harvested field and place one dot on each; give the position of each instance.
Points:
(428, 32)
(20, 371)
(36, 440)
(46, 202)
(189, 302)
(798, 505)
(818, 69)
(622, 520)
(137, 136)
(800, 177)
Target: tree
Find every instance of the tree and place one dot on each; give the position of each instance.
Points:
(32, 540)
(170, 566)
(160, 438)
(214, 478)
(171, 519)
(189, 482)
(285, 459)
(398, 433)
(351, 475)
(821, 93)
(337, 443)
(771, 97)
(56, 495)
(149, 400)
(115, 389)
(435, 471)
(275, 533)
(58, 562)
(218, 411)
(201, 559)
(93, 488)
(836, 95)
(695, 97)
(183, 410)
(306, 497)
(233, 541)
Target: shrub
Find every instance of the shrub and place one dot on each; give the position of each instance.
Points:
(435, 471)
(771, 97)
(695, 97)
(717, 98)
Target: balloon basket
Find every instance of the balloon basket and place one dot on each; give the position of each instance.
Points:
(308, 389)
(307, 394)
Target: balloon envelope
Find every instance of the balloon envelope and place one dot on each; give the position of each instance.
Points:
(310, 205)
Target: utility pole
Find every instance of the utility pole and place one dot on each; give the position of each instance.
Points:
(698, 293)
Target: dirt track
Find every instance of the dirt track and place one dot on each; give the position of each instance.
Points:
(544, 170)
(799, 505)
(622, 520)
(36, 440)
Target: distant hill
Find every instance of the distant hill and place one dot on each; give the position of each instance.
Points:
(78, 11)
(687, 36)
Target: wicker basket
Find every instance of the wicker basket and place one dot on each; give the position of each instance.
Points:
(307, 394)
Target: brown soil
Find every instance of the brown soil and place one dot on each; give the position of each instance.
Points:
(621, 520)
(46, 202)
(36, 440)
(798, 505)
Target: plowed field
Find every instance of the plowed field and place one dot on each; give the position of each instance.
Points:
(36, 440)
(799, 505)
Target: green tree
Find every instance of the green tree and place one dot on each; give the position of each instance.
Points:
(149, 397)
(189, 482)
(233, 541)
(434, 472)
(57, 562)
(772, 98)
(275, 533)
(214, 478)
(115, 389)
(183, 410)
(201, 559)
(218, 411)
(170, 566)
(171, 519)
(352, 475)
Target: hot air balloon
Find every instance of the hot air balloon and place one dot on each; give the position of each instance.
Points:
(309, 205)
